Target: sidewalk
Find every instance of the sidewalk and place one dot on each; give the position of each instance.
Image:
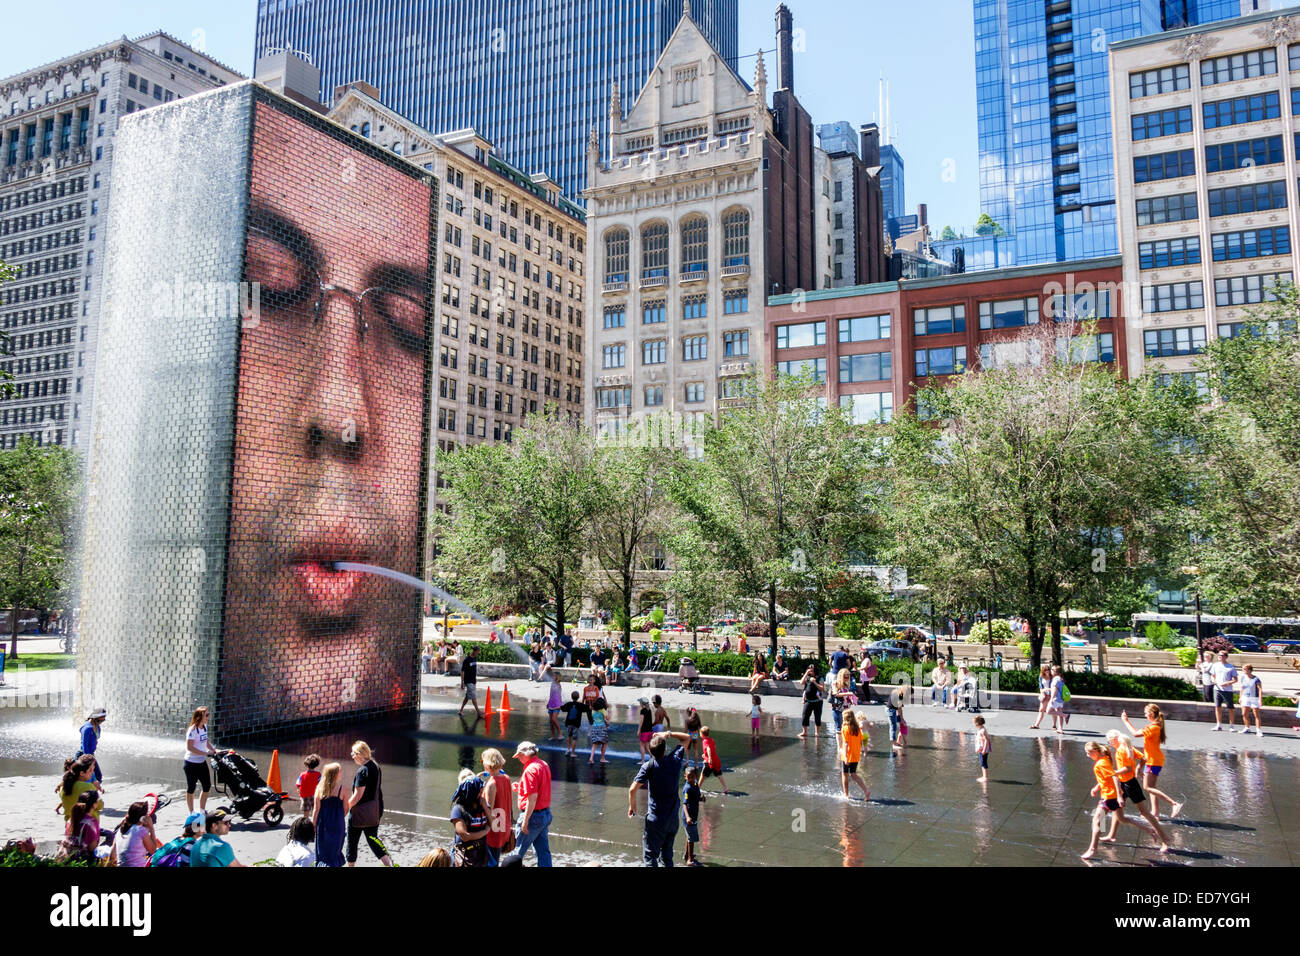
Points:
(1183, 735)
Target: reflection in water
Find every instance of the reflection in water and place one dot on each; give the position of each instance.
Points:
(851, 830)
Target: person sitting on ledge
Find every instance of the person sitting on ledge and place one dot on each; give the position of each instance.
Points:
(779, 669)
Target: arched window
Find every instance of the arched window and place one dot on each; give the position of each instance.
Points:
(654, 250)
(616, 253)
(735, 239)
(695, 244)
(365, 130)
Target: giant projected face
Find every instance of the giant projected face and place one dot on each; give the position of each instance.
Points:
(329, 431)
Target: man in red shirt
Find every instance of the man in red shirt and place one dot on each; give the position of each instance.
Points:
(534, 808)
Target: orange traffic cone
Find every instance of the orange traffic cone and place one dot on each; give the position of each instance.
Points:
(487, 711)
(273, 775)
(505, 699)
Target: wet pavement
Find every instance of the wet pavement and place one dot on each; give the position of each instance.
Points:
(926, 808)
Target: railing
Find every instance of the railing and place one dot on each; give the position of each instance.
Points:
(616, 283)
(737, 269)
(651, 280)
(696, 275)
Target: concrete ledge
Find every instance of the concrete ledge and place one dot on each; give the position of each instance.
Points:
(1006, 700)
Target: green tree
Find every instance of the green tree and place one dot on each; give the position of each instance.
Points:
(634, 512)
(700, 581)
(948, 233)
(1049, 484)
(1244, 514)
(38, 495)
(520, 519)
(986, 225)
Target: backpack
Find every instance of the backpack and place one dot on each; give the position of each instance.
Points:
(1065, 694)
(175, 853)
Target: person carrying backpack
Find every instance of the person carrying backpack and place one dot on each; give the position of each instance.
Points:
(469, 817)
(177, 852)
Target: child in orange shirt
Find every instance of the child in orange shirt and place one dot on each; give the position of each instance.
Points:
(1107, 789)
(852, 735)
(1153, 755)
(1126, 773)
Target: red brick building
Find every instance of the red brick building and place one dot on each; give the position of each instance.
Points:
(874, 344)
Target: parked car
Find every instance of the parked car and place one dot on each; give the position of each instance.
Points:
(727, 622)
(891, 648)
(456, 620)
(1244, 642)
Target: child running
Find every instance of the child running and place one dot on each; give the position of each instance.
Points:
(983, 745)
(1252, 690)
(1108, 792)
(692, 797)
(712, 762)
(307, 781)
(693, 724)
(755, 716)
(852, 735)
(599, 730)
(1126, 772)
(554, 705)
(1153, 735)
(573, 711)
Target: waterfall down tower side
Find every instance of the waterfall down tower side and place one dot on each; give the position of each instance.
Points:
(262, 413)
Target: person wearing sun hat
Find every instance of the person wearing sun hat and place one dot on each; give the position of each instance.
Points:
(90, 731)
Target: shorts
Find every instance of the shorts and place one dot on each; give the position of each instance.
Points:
(984, 761)
(197, 775)
(1132, 790)
(1249, 702)
(1155, 770)
(753, 723)
(1223, 698)
(695, 735)
(644, 736)
(471, 694)
(554, 710)
(692, 832)
(572, 731)
(849, 768)
(656, 728)
(1110, 805)
(598, 735)
(713, 771)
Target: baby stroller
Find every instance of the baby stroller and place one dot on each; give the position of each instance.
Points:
(237, 778)
(690, 676)
(155, 802)
(966, 693)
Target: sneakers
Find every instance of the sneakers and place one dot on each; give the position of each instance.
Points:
(1218, 726)
(1259, 732)
(1243, 730)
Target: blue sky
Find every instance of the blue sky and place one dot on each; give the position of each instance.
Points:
(929, 59)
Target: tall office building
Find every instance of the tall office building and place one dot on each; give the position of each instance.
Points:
(530, 77)
(1043, 100)
(58, 130)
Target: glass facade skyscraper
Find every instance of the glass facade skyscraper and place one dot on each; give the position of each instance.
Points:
(531, 76)
(1043, 101)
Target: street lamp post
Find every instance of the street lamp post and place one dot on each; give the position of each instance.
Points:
(1193, 572)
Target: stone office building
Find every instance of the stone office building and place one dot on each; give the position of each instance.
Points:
(58, 125)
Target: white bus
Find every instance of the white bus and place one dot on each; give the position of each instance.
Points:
(1278, 634)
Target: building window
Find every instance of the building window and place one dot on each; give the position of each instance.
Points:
(868, 328)
(1164, 80)
(615, 316)
(1163, 166)
(939, 321)
(1239, 66)
(1161, 209)
(1265, 151)
(872, 367)
(653, 313)
(654, 395)
(694, 393)
(1162, 123)
(695, 307)
(735, 239)
(735, 344)
(1250, 244)
(800, 367)
(695, 244)
(1008, 313)
(1174, 297)
(1248, 290)
(654, 352)
(1228, 330)
(1169, 252)
(949, 361)
(735, 301)
(1082, 306)
(804, 335)
(1086, 348)
(615, 356)
(695, 348)
(1198, 381)
(654, 250)
(1256, 197)
(613, 397)
(616, 255)
(1241, 109)
(1166, 342)
(875, 408)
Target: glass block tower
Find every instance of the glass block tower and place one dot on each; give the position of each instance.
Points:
(1043, 100)
(530, 76)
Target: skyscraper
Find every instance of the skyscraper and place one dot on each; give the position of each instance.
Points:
(531, 77)
(1043, 101)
